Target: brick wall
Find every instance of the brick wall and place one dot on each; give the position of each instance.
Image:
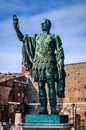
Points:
(75, 91)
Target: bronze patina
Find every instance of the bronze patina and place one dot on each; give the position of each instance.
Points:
(43, 57)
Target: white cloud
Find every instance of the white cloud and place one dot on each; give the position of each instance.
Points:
(68, 19)
(74, 58)
(6, 27)
(10, 62)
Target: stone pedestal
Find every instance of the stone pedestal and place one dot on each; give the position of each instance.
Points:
(45, 122)
(44, 126)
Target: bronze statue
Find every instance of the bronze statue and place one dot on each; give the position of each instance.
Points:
(43, 57)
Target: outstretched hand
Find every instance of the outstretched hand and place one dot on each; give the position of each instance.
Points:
(15, 20)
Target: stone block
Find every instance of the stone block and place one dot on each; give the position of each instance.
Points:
(50, 118)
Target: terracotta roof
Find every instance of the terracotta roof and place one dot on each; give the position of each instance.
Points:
(8, 76)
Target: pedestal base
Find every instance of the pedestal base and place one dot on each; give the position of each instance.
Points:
(45, 122)
(44, 126)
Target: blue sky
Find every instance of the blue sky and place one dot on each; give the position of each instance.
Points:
(68, 19)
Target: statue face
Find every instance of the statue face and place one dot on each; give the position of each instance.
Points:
(45, 25)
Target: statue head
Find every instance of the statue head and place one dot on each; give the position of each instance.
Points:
(46, 25)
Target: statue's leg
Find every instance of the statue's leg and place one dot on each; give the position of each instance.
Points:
(42, 97)
(52, 96)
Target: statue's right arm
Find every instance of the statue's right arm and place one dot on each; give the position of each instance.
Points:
(16, 27)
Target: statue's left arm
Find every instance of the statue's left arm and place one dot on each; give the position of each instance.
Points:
(60, 67)
(59, 54)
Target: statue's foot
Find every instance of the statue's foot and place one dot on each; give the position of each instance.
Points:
(43, 111)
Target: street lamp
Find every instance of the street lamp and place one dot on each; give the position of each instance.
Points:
(74, 114)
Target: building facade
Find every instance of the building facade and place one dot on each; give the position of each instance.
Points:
(75, 90)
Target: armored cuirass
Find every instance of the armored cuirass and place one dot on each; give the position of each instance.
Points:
(44, 61)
